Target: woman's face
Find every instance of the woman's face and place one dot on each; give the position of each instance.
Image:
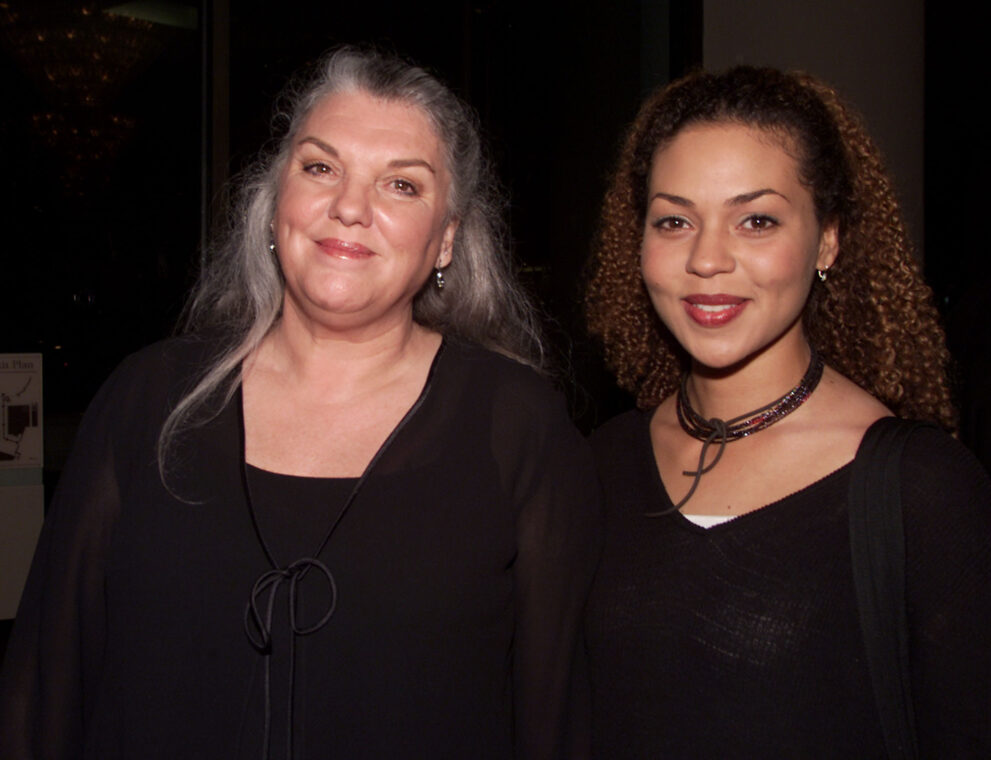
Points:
(361, 218)
(731, 243)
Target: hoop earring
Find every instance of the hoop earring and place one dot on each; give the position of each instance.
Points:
(439, 279)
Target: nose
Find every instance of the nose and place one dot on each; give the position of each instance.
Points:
(710, 254)
(351, 202)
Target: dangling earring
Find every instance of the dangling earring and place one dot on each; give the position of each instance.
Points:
(271, 248)
(823, 274)
(439, 278)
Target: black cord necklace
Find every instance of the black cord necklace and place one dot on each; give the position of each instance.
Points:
(719, 431)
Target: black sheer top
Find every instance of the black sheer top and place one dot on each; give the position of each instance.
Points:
(461, 569)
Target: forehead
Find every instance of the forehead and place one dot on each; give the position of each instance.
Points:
(355, 117)
(726, 151)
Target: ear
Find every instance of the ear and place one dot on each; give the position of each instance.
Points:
(447, 245)
(829, 246)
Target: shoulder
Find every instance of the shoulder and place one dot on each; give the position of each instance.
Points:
(624, 458)
(931, 458)
(471, 357)
(167, 358)
(621, 432)
(173, 356)
(149, 381)
(937, 468)
(526, 416)
(946, 492)
(486, 373)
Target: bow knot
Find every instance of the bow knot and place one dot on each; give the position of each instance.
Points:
(259, 627)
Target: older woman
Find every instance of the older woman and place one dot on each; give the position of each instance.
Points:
(342, 517)
(754, 288)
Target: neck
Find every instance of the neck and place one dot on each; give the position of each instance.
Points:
(758, 380)
(335, 363)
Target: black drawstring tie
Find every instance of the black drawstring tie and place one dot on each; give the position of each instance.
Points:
(719, 435)
(259, 628)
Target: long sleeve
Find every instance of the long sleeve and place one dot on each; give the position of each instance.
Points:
(558, 540)
(55, 652)
(947, 501)
(461, 568)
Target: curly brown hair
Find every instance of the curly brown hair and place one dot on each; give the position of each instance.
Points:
(873, 319)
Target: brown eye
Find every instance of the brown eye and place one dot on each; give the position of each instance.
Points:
(759, 222)
(404, 186)
(317, 168)
(671, 223)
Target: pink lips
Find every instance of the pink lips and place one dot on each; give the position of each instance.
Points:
(344, 249)
(713, 310)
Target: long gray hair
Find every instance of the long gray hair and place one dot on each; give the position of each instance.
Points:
(240, 290)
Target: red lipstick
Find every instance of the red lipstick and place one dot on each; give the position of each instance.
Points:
(715, 309)
(344, 249)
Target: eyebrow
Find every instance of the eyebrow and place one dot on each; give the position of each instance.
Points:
(677, 200)
(396, 163)
(736, 200)
(739, 200)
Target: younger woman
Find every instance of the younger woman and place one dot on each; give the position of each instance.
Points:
(753, 286)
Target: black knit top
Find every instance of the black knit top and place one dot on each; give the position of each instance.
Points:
(743, 640)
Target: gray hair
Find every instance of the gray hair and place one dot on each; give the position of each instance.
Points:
(240, 289)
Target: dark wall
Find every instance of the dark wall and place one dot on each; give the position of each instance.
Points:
(915, 72)
(957, 166)
(115, 160)
(872, 52)
(120, 133)
(99, 186)
(554, 90)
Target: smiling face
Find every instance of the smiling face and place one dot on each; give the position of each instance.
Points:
(361, 218)
(731, 243)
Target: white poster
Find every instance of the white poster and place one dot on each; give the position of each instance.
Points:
(20, 411)
(22, 493)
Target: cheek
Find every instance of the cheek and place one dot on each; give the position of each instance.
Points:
(300, 203)
(786, 267)
(409, 230)
(657, 267)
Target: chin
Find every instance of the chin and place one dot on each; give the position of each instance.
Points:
(720, 359)
(716, 368)
(709, 354)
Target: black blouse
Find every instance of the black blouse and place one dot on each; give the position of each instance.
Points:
(461, 570)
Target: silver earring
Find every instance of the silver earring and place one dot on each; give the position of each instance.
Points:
(271, 247)
(439, 279)
(823, 274)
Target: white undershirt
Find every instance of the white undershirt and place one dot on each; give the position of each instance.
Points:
(708, 521)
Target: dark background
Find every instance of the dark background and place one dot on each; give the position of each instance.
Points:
(119, 133)
(120, 130)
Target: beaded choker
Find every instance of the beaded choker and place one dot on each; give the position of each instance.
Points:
(719, 431)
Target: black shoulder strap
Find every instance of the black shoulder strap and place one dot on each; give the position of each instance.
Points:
(877, 543)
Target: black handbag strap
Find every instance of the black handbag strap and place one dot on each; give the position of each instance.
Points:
(877, 545)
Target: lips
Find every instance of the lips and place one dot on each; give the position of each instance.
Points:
(713, 310)
(344, 249)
